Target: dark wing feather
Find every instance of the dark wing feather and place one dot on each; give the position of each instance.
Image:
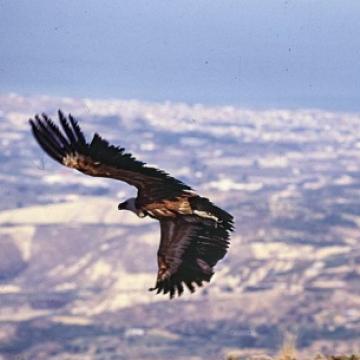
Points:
(68, 146)
(189, 249)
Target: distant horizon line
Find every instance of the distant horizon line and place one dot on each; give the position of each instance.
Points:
(211, 104)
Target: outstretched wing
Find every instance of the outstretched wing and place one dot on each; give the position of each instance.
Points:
(68, 146)
(189, 249)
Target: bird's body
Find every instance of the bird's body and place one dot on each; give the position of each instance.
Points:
(194, 232)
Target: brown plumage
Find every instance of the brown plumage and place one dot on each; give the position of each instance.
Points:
(194, 232)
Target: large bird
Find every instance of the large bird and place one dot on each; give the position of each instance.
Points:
(195, 233)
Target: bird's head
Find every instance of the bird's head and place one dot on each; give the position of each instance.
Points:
(129, 204)
(123, 206)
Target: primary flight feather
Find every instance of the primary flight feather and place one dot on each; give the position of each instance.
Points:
(195, 233)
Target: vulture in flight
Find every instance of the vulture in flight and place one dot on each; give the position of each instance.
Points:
(195, 233)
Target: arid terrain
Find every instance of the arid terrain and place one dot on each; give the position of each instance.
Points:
(75, 272)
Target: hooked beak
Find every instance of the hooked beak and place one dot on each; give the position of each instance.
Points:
(122, 206)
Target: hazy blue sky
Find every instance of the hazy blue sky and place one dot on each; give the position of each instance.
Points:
(257, 53)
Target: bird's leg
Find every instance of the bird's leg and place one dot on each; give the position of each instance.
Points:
(163, 272)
